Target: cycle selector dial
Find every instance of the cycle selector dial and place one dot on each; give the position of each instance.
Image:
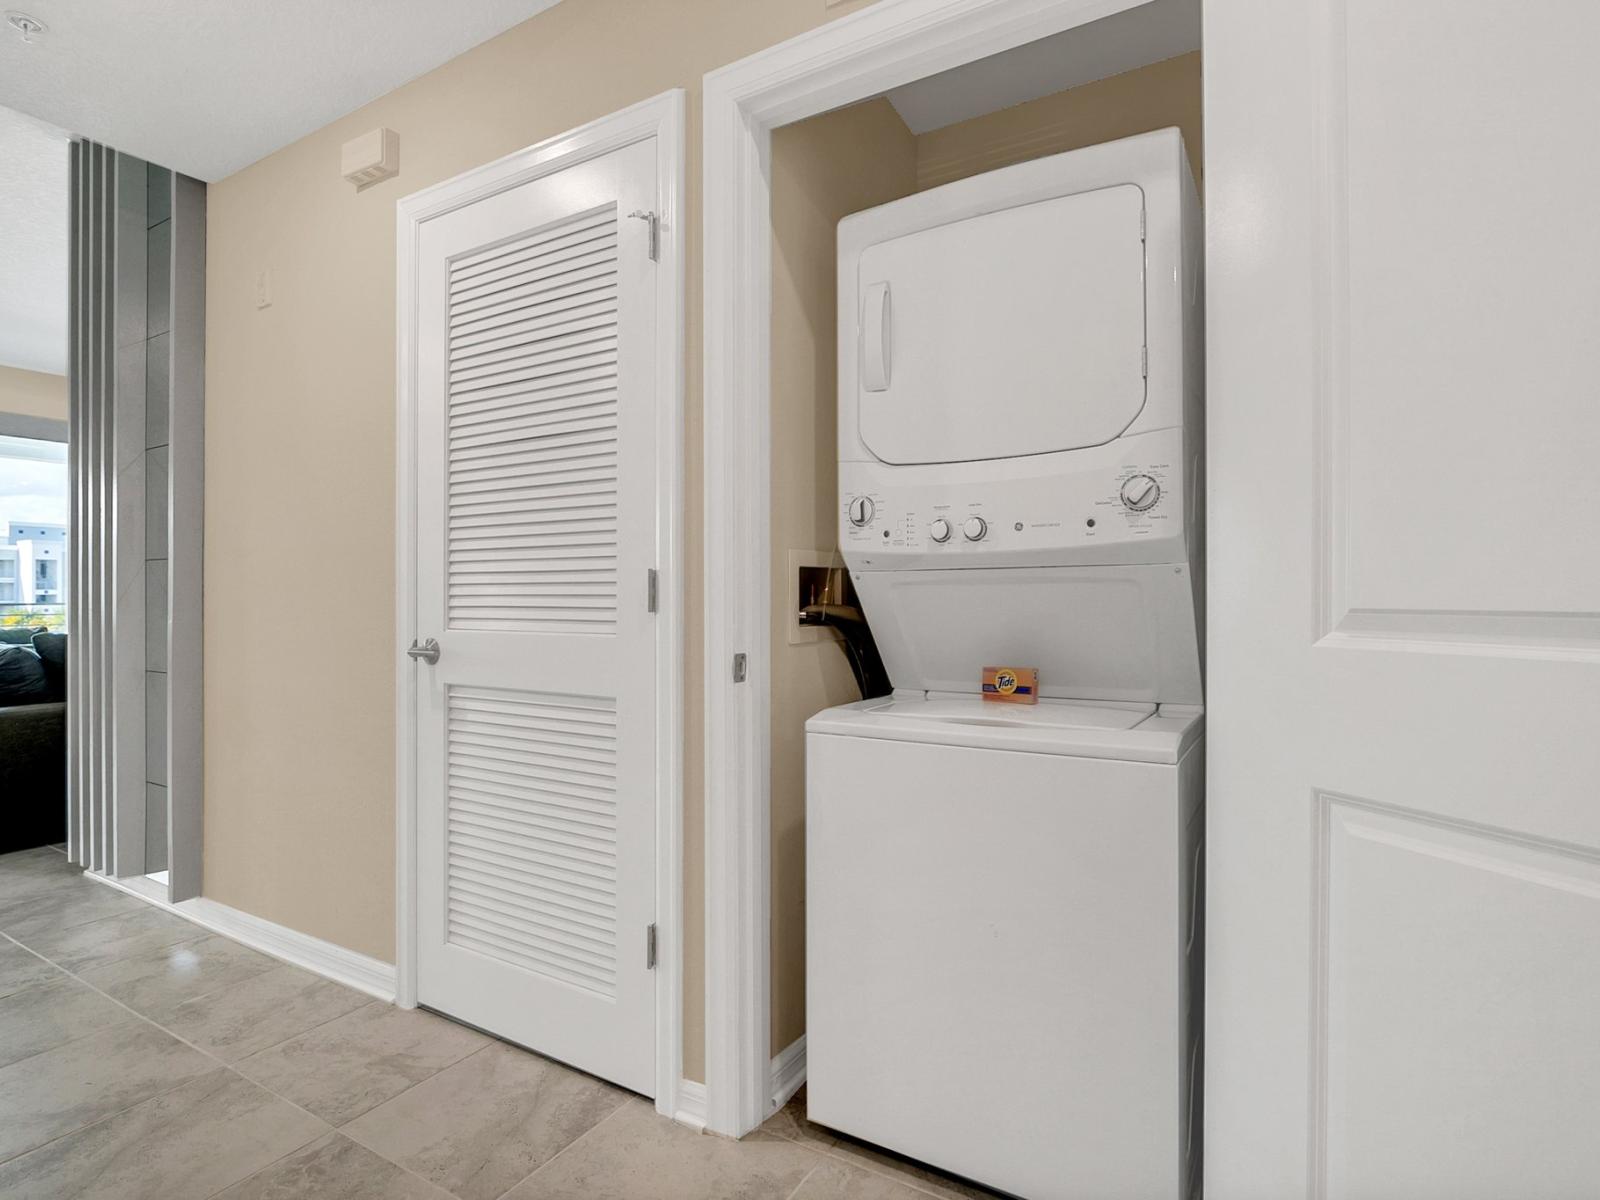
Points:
(939, 531)
(973, 529)
(861, 510)
(1140, 493)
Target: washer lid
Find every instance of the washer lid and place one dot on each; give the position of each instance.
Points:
(1015, 332)
(1124, 732)
(990, 714)
(1124, 634)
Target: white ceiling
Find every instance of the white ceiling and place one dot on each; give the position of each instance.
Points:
(209, 86)
(1135, 37)
(33, 244)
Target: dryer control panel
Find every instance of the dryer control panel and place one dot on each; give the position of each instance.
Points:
(1127, 509)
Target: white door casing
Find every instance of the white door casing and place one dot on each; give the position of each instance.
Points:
(854, 57)
(1403, 958)
(539, 754)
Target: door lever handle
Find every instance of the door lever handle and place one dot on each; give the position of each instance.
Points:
(428, 651)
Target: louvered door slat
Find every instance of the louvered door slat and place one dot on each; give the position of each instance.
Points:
(513, 834)
(580, 312)
(560, 328)
(478, 261)
(535, 404)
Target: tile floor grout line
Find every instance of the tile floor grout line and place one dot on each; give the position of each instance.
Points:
(625, 1102)
(200, 933)
(227, 1066)
(410, 1087)
(131, 912)
(802, 1182)
(292, 1036)
(141, 1016)
(264, 1167)
(328, 1126)
(336, 1133)
(871, 1169)
(831, 1152)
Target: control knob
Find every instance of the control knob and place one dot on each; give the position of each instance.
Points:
(939, 531)
(861, 510)
(1140, 493)
(974, 528)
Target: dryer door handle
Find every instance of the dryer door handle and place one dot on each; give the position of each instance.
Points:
(875, 343)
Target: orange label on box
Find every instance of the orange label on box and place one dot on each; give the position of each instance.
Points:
(1011, 685)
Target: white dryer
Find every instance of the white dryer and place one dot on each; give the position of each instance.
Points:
(1002, 900)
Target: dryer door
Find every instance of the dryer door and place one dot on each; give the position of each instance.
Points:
(1016, 332)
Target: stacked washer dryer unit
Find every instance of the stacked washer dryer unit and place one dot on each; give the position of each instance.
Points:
(1003, 900)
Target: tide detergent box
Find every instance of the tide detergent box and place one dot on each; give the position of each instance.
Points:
(1011, 685)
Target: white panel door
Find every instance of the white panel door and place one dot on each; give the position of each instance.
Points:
(1404, 697)
(536, 520)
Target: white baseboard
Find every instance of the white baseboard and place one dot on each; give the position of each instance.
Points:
(369, 975)
(691, 1110)
(788, 1072)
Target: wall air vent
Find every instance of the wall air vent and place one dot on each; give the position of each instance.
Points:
(371, 157)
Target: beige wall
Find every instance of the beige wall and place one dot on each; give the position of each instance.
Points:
(33, 393)
(299, 608)
(1153, 97)
(822, 170)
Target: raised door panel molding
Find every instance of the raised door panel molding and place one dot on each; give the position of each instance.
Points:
(1457, 381)
(1458, 1040)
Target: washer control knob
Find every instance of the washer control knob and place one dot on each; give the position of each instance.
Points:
(974, 528)
(861, 510)
(939, 531)
(1140, 493)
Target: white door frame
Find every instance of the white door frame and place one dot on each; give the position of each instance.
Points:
(855, 57)
(662, 118)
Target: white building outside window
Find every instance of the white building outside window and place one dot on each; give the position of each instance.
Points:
(33, 532)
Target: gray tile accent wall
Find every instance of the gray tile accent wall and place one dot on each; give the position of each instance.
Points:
(127, 556)
(155, 506)
(155, 827)
(158, 294)
(137, 260)
(156, 383)
(158, 194)
(158, 491)
(155, 728)
(155, 615)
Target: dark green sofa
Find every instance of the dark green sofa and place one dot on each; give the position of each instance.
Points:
(33, 739)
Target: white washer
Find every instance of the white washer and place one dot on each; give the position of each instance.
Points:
(1002, 940)
(1003, 956)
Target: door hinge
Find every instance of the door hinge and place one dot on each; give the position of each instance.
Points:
(650, 947)
(652, 591)
(655, 231)
(739, 662)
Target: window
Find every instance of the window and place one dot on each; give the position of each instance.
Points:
(33, 532)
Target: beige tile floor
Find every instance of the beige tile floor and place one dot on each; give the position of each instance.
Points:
(145, 1059)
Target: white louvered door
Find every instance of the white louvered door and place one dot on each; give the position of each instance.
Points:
(536, 524)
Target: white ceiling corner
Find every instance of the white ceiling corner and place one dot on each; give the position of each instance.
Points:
(208, 87)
